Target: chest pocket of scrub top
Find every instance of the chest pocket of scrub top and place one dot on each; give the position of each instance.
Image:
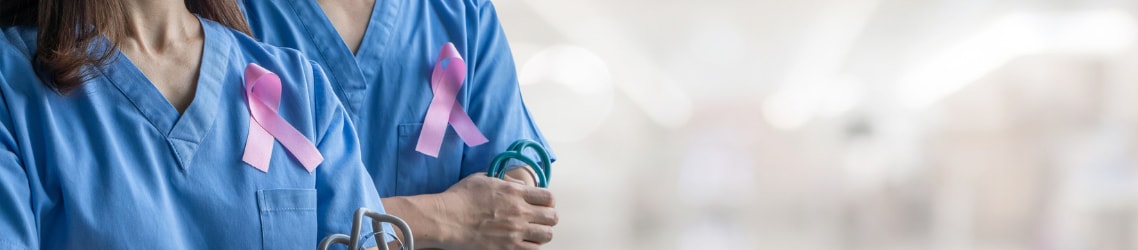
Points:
(417, 173)
(288, 218)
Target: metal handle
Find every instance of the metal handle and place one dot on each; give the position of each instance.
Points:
(333, 240)
(377, 220)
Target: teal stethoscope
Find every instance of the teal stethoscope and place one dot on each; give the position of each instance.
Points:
(516, 151)
(498, 167)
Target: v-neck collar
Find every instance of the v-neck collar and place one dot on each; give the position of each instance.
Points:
(183, 131)
(347, 74)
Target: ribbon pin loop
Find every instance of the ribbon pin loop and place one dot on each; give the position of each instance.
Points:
(447, 78)
(263, 96)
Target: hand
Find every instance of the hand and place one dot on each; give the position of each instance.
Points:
(493, 214)
(522, 175)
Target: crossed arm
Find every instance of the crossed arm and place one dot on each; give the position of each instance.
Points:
(481, 212)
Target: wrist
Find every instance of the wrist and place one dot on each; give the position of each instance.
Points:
(428, 217)
(446, 220)
(522, 174)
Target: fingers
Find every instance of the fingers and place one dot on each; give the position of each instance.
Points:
(544, 216)
(538, 197)
(526, 245)
(538, 234)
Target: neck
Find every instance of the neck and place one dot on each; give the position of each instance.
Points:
(158, 25)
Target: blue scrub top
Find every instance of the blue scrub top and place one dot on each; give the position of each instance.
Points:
(113, 165)
(386, 84)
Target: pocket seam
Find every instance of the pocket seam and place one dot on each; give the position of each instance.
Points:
(282, 206)
(268, 203)
(288, 209)
(408, 129)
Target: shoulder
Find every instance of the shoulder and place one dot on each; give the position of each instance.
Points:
(17, 48)
(253, 49)
(265, 12)
(18, 40)
(478, 4)
(285, 62)
(272, 4)
(455, 19)
(453, 7)
(302, 82)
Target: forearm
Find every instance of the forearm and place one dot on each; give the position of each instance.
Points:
(479, 212)
(427, 215)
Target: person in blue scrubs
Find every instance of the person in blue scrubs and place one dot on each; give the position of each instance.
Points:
(117, 162)
(379, 55)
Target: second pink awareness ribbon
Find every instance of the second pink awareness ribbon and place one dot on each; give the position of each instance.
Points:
(263, 95)
(446, 81)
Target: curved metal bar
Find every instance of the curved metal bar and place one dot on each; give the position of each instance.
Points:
(334, 239)
(377, 220)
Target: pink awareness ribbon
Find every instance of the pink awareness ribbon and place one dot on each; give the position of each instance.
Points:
(263, 94)
(444, 108)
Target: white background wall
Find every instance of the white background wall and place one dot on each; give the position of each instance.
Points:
(836, 124)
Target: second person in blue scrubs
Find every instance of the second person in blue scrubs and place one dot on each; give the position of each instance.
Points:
(379, 55)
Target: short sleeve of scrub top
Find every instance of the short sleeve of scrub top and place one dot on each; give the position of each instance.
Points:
(112, 165)
(385, 85)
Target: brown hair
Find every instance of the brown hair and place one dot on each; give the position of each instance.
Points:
(68, 48)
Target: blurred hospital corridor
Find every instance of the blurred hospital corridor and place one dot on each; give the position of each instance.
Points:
(835, 124)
